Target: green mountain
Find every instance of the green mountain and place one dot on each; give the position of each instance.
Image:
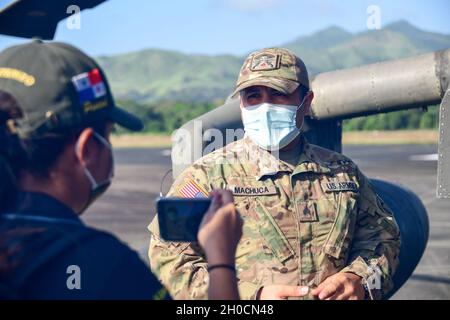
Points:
(340, 49)
(157, 75)
(152, 75)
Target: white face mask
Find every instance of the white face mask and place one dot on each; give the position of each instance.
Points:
(271, 126)
(98, 188)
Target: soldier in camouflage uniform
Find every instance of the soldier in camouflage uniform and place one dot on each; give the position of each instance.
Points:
(314, 226)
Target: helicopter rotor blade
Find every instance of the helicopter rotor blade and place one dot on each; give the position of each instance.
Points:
(38, 18)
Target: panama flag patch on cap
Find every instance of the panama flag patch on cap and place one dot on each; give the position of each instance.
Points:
(89, 86)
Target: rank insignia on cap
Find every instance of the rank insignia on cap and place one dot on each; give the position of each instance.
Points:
(89, 86)
(191, 189)
(265, 62)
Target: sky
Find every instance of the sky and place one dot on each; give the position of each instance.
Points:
(230, 26)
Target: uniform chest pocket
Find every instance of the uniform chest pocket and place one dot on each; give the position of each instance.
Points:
(272, 234)
(331, 221)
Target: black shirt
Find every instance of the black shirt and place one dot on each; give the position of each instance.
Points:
(50, 254)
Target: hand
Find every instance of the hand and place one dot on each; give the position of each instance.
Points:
(280, 292)
(340, 286)
(221, 229)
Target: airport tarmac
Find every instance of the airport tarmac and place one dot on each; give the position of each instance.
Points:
(128, 206)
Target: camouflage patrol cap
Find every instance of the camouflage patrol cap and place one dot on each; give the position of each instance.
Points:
(58, 88)
(276, 68)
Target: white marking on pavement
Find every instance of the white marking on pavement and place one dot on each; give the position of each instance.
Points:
(166, 152)
(424, 157)
(438, 244)
(440, 224)
(442, 269)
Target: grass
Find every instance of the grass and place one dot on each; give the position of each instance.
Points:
(147, 140)
(144, 140)
(391, 137)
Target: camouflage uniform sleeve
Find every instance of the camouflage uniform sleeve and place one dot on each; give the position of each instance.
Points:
(376, 242)
(248, 290)
(181, 267)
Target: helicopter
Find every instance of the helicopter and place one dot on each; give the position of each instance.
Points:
(415, 82)
(366, 90)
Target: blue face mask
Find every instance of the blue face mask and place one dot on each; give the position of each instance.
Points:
(271, 126)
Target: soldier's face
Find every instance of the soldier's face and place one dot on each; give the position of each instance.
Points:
(255, 95)
(259, 94)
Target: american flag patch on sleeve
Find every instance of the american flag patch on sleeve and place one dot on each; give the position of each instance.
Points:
(191, 189)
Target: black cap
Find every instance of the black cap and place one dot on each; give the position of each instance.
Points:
(58, 87)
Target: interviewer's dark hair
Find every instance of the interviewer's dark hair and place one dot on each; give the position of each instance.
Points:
(302, 90)
(36, 155)
(10, 153)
